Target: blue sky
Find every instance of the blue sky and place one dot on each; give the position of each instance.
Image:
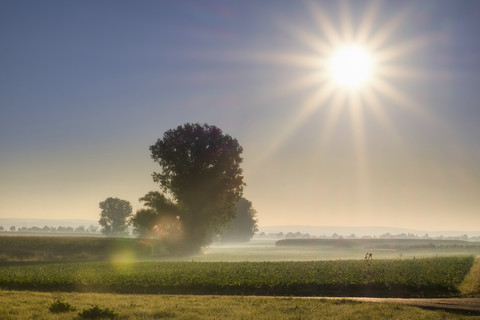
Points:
(87, 86)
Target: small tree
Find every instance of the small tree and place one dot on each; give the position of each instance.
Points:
(12, 228)
(243, 226)
(114, 215)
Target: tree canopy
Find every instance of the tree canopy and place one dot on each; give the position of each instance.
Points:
(159, 220)
(114, 215)
(201, 174)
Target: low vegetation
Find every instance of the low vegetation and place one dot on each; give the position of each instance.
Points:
(59, 306)
(428, 277)
(96, 312)
(21, 305)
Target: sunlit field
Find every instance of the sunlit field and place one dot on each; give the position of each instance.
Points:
(34, 305)
(425, 277)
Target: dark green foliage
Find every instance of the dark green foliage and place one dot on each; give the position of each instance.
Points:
(429, 277)
(158, 202)
(77, 248)
(97, 313)
(200, 171)
(59, 306)
(160, 220)
(243, 226)
(114, 215)
(144, 222)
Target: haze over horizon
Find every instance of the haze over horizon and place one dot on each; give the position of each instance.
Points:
(87, 87)
(312, 230)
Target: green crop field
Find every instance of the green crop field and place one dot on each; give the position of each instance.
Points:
(426, 277)
(45, 248)
(42, 248)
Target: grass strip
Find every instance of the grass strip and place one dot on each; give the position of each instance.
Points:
(22, 305)
(470, 286)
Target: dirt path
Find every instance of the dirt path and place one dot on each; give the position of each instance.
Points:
(461, 305)
(471, 305)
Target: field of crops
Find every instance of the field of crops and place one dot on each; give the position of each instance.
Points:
(42, 248)
(401, 278)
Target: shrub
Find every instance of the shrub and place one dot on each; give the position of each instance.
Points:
(97, 313)
(59, 306)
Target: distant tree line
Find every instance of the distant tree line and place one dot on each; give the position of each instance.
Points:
(299, 235)
(59, 229)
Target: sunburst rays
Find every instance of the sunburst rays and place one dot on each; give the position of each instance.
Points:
(373, 99)
(322, 43)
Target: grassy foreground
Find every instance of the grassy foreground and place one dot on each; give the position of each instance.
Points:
(427, 277)
(34, 305)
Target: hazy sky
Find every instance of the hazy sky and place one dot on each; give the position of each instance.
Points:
(87, 86)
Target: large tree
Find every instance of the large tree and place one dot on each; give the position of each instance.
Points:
(243, 226)
(201, 173)
(114, 215)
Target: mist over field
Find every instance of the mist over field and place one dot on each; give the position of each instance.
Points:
(304, 229)
(363, 231)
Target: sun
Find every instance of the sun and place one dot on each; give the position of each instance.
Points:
(351, 67)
